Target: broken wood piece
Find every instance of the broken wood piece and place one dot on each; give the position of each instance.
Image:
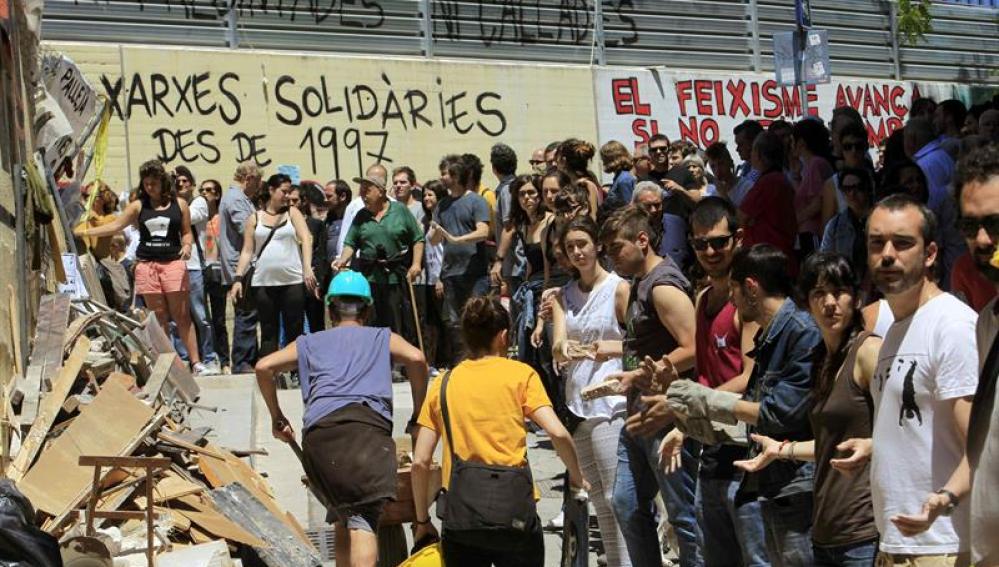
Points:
(46, 356)
(126, 381)
(217, 524)
(87, 266)
(286, 548)
(114, 424)
(180, 378)
(173, 440)
(76, 401)
(48, 410)
(158, 375)
(100, 364)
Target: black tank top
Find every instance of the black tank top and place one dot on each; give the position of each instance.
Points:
(159, 233)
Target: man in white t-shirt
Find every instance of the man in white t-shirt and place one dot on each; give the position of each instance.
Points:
(926, 376)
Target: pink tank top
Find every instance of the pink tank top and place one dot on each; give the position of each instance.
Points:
(719, 352)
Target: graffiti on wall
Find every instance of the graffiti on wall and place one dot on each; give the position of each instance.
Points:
(331, 116)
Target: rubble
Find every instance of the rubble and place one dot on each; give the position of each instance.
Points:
(105, 387)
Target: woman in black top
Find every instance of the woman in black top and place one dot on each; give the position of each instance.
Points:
(165, 241)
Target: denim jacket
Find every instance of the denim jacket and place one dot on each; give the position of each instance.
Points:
(781, 383)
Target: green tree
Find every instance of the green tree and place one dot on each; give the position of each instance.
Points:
(914, 20)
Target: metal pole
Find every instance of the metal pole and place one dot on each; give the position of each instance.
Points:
(802, 85)
(428, 28)
(232, 32)
(598, 33)
(893, 25)
(754, 29)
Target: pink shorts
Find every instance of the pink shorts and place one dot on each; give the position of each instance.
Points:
(161, 277)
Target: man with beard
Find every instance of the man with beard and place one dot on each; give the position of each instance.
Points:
(977, 183)
(926, 376)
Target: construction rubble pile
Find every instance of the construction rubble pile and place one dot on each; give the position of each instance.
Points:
(104, 449)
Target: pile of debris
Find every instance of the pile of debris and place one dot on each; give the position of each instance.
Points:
(108, 464)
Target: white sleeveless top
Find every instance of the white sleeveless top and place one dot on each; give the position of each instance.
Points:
(590, 317)
(281, 262)
(885, 319)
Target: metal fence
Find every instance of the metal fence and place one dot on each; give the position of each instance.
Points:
(688, 34)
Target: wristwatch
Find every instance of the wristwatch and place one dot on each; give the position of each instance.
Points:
(953, 501)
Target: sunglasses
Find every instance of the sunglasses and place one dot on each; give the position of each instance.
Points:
(536, 161)
(969, 226)
(523, 194)
(854, 147)
(715, 242)
(659, 150)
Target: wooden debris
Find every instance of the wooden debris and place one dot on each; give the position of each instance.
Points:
(211, 554)
(48, 410)
(46, 357)
(109, 426)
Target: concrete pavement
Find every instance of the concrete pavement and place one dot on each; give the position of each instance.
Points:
(242, 422)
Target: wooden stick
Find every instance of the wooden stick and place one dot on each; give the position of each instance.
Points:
(416, 315)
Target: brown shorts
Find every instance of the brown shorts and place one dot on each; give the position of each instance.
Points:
(156, 278)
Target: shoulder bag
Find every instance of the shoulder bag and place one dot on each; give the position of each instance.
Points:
(246, 301)
(485, 506)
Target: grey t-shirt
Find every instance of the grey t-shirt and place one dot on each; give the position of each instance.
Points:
(234, 208)
(416, 209)
(515, 262)
(459, 217)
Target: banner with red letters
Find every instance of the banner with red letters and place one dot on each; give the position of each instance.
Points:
(703, 108)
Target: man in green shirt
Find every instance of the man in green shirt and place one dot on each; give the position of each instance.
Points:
(389, 243)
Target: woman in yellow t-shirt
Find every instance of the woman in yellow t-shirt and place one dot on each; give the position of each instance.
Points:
(488, 398)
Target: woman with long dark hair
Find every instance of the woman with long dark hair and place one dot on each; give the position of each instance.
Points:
(487, 398)
(165, 241)
(846, 232)
(588, 321)
(574, 158)
(843, 532)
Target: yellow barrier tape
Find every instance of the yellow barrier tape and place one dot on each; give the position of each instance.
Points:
(100, 155)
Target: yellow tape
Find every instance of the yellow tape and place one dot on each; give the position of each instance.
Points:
(100, 155)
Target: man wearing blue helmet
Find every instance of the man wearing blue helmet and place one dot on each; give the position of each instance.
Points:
(347, 446)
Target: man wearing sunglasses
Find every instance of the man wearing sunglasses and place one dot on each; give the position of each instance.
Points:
(977, 183)
(723, 341)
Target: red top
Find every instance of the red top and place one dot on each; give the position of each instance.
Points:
(969, 284)
(770, 217)
(718, 344)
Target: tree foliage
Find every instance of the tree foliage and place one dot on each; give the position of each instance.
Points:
(914, 20)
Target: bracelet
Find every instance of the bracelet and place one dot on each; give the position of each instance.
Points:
(238, 278)
(423, 523)
(780, 450)
(791, 452)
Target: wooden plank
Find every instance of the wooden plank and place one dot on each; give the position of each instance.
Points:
(158, 375)
(46, 356)
(173, 440)
(126, 462)
(88, 271)
(182, 383)
(15, 329)
(217, 524)
(48, 410)
(113, 425)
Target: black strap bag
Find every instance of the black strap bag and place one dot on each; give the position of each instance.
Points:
(486, 506)
(246, 301)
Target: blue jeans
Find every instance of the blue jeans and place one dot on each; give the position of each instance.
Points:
(854, 555)
(199, 316)
(726, 526)
(244, 339)
(639, 477)
(788, 524)
(457, 290)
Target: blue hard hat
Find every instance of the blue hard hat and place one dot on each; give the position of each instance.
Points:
(349, 284)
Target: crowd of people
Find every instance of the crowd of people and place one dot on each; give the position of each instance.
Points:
(796, 353)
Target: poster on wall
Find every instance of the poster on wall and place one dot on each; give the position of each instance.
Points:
(703, 108)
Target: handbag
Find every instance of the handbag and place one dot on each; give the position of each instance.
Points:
(485, 506)
(246, 301)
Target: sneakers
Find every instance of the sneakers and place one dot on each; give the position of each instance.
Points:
(556, 523)
(201, 369)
